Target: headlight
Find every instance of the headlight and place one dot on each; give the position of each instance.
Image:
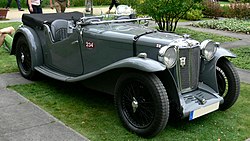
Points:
(168, 56)
(208, 49)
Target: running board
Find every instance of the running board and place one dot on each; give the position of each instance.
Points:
(46, 71)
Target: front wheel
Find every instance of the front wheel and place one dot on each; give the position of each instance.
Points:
(23, 58)
(228, 83)
(142, 103)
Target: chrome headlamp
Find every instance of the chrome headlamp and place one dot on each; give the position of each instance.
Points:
(168, 56)
(208, 49)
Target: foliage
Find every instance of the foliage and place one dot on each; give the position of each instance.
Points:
(93, 115)
(226, 24)
(3, 3)
(243, 57)
(166, 13)
(211, 9)
(194, 15)
(237, 10)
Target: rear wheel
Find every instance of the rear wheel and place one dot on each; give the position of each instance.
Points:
(142, 103)
(23, 58)
(228, 83)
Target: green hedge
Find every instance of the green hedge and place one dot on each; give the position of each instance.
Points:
(3, 3)
(75, 3)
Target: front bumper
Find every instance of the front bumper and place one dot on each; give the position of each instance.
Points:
(200, 102)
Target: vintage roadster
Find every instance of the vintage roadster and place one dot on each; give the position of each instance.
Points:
(153, 75)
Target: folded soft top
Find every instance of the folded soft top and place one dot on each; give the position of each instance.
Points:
(37, 20)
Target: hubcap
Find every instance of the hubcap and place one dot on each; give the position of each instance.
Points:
(22, 57)
(134, 104)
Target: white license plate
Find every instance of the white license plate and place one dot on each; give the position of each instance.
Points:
(204, 110)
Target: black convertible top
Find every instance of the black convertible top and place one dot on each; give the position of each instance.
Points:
(37, 20)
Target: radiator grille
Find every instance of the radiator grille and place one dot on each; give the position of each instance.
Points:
(188, 68)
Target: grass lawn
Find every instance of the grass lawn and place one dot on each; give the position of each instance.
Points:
(243, 57)
(6, 24)
(7, 62)
(93, 114)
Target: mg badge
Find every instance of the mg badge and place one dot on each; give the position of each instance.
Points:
(183, 61)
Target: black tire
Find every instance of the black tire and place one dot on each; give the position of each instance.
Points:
(228, 83)
(23, 58)
(150, 116)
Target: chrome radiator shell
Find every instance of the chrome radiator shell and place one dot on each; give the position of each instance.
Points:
(188, 68)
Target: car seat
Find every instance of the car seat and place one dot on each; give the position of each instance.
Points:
(59, 29)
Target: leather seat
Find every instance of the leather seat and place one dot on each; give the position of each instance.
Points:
(59, 29)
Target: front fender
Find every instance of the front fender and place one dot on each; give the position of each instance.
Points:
(222, 52)
(208, 68)
(143, 64)
(33, 42)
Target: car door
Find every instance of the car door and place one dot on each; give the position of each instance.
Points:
(65, 56)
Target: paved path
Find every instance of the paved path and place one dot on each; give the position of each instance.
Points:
(21, 120)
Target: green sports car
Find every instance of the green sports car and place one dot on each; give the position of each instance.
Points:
(153, 75)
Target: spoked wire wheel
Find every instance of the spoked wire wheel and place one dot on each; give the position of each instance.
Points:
(228, 83)
(23, 58)
(142, 103)
(135, 94)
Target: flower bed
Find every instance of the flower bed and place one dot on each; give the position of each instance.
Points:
(233, 25)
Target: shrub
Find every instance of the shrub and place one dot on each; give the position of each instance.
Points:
(3, 3)
(194, 15)
(166, 13)
(239, 10)
(212, 9)
(236, 9)
(226, 11)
